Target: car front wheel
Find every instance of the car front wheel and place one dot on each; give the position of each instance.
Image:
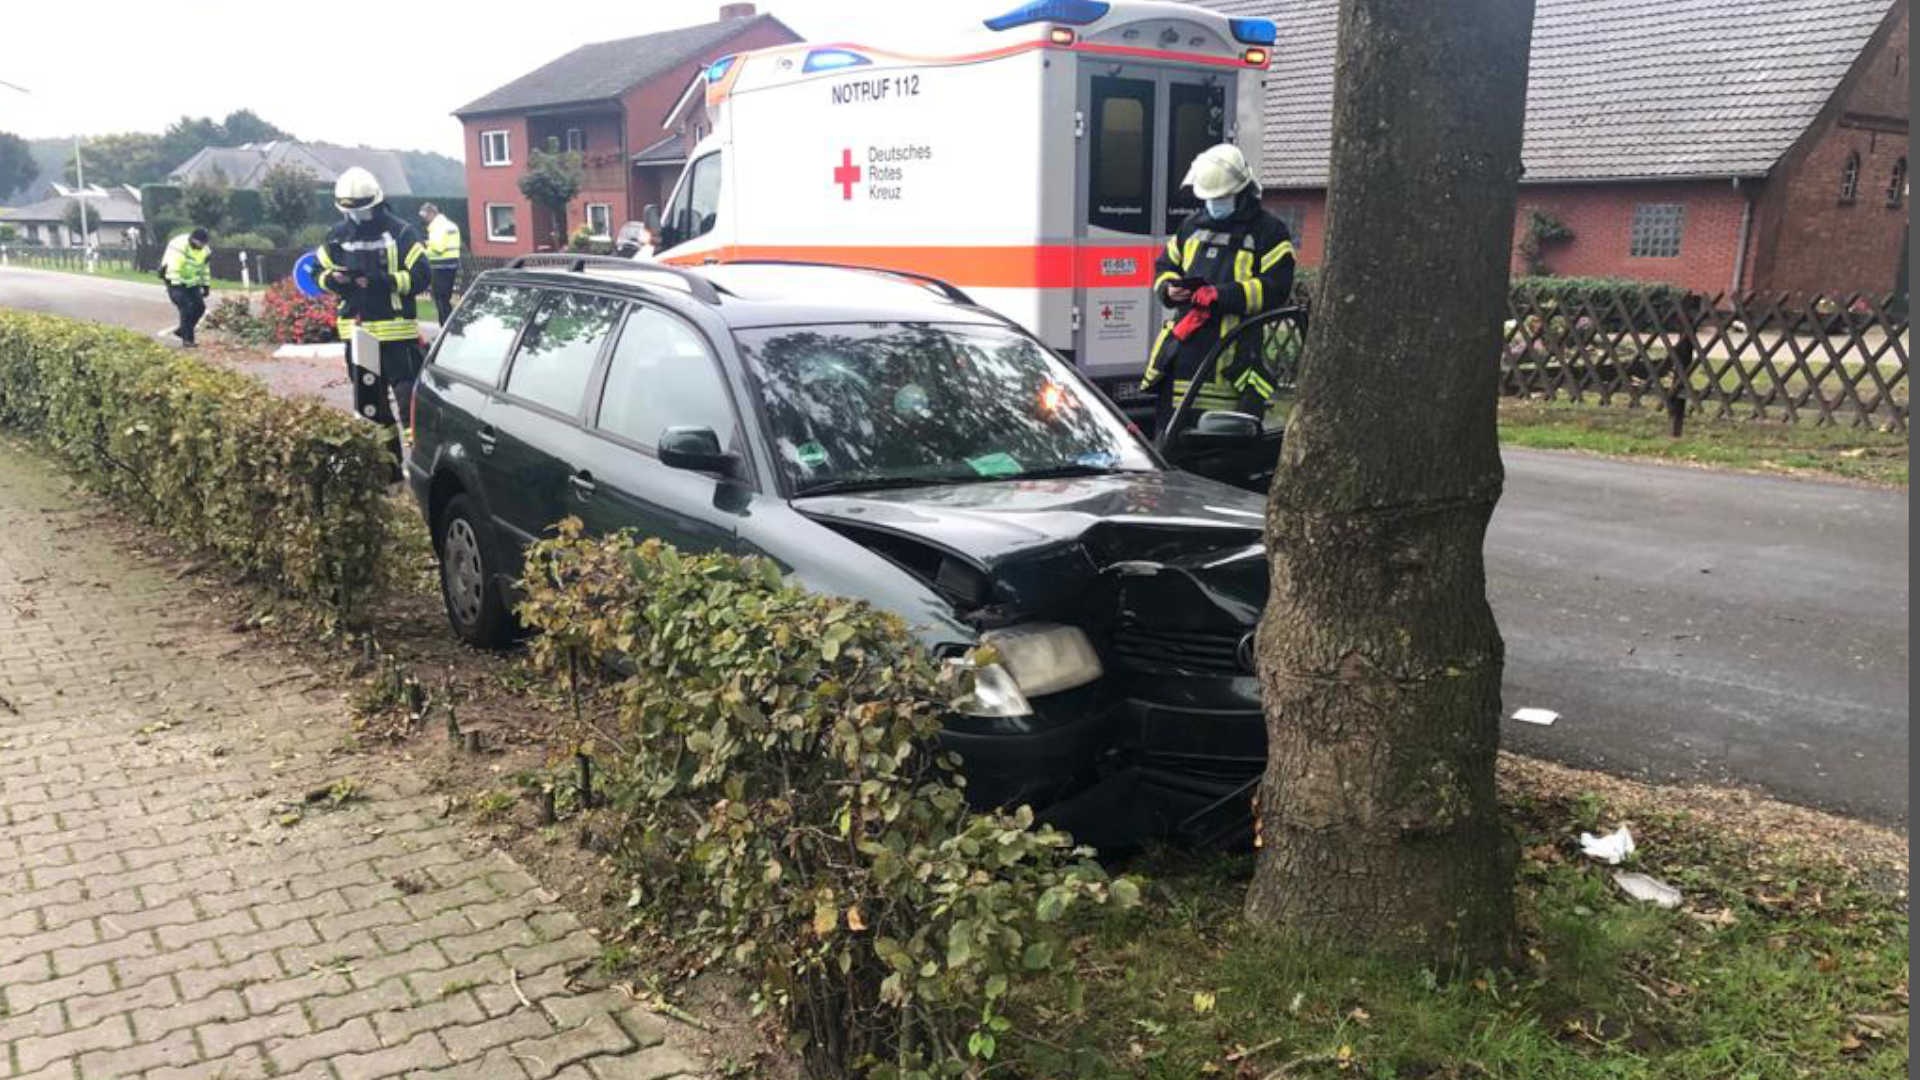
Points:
(474, 604)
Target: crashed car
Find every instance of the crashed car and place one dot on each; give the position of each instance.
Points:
(883, 438)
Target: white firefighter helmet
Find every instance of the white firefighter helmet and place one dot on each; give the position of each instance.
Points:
(357, 190)
(1220, 171)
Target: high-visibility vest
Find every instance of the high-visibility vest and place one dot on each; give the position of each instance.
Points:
(186, 265)
(443, 240)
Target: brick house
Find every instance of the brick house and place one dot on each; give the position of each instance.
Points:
(609, 100)
(1722, 145)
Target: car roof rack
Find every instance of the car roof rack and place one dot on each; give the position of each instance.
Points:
(945, 288)
(702, 289)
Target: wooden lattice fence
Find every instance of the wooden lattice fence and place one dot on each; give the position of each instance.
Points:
(1809, 359)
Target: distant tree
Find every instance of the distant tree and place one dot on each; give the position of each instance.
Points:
(188, 136)
(72, 217)
(552, 179)
(17, 167)
(290, 196)
(130, 157)
(8, 234)
(245, 126)
(204, 200)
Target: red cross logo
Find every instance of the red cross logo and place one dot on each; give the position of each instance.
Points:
(846, 174)
(1107, 312)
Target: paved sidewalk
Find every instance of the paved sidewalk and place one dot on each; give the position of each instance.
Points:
(164, 914)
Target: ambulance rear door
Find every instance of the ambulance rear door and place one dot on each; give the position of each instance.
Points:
(1140, 127)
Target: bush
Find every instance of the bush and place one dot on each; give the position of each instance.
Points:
(291, 492)
(1614, 303)
(293, 318)
(233, 316)
(786, 811)
(245, 241)
(310, 237)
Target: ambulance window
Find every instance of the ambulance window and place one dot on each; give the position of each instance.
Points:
(1122, 156)
(697, 202)
(1197, 116)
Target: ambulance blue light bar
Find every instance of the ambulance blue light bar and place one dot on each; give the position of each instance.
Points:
(1254, 31)
(718, 69)
(1067, 12)
(832, 59)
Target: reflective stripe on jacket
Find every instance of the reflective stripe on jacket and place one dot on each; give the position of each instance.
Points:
(185, 265)
(389, 254)
(1248, 258)
(443, 241)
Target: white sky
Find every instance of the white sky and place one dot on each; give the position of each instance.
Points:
(326, 70)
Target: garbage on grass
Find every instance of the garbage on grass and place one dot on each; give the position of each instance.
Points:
(1612, 849)
(1648, 888)
(1530, 715)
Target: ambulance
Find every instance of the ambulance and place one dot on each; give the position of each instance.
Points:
(1035, 163)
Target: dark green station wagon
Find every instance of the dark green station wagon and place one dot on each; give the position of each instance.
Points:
(883, 438)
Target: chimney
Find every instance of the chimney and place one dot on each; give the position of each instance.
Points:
(736, 11)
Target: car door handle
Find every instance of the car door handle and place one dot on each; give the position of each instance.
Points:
(583, 485)
(486, 438)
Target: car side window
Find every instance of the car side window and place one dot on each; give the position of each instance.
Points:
(557, 352)
(662, 376)
(697, 202)
(477, 340)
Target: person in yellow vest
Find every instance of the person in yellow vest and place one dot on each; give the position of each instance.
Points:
(1229, 261)
(443, 254)
(184, 269)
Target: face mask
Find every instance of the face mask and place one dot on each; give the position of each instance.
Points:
(358, 217)
(1222, 208)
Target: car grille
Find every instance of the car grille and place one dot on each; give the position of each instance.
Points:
(1178, 651)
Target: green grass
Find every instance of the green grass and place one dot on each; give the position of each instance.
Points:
(115, 273)
(1855, 453)
(1609, 988)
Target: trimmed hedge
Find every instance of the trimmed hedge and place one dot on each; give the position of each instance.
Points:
(289, 491)
(785, 810)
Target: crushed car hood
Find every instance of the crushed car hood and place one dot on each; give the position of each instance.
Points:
(1042, 543)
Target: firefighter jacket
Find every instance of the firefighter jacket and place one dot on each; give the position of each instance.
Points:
(1248, 259)
(443, 243)
(185, 265)
(387, 252)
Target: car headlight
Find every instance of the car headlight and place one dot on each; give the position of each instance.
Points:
(1030, 660)
(1044, 658)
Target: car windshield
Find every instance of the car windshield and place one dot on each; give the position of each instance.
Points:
(875, 405)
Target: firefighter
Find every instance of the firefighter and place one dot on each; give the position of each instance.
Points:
(189, 280)
(375, 265)
(443, 252)
(1229, 260)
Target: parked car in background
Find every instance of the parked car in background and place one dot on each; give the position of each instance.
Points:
(883, 438)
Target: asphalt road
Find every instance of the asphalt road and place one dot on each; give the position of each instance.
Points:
(1687, 624)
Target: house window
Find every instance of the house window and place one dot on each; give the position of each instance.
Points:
(576, 140)
(1293, 216)
(1656, 230)
(1850, 177)
(1897, 185)
(500, 223)
(495, 149)
(600, 220)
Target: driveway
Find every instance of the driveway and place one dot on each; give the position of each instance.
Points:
(1688, 624)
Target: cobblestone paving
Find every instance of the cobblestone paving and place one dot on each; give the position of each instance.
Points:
(170, 905)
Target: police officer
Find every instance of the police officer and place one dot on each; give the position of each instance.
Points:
(1228, 261)
(375, 265)
(443, 253)
(189, 280)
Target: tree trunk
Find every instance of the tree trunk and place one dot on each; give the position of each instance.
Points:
(1379, 658)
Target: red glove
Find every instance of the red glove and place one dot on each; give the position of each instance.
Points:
(1204, 296)
(1191, 322)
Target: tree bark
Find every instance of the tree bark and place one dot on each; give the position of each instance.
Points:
(1380, 661)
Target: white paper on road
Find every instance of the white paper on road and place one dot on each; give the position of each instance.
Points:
(1531, 715)
(1648, 888)
(1612, 849)
(325, 351)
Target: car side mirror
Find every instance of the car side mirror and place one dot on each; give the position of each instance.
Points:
(651, 217)
(696, 449)
(1227, 425)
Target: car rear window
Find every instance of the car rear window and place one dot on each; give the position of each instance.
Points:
(476, 342)
(557, 352)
